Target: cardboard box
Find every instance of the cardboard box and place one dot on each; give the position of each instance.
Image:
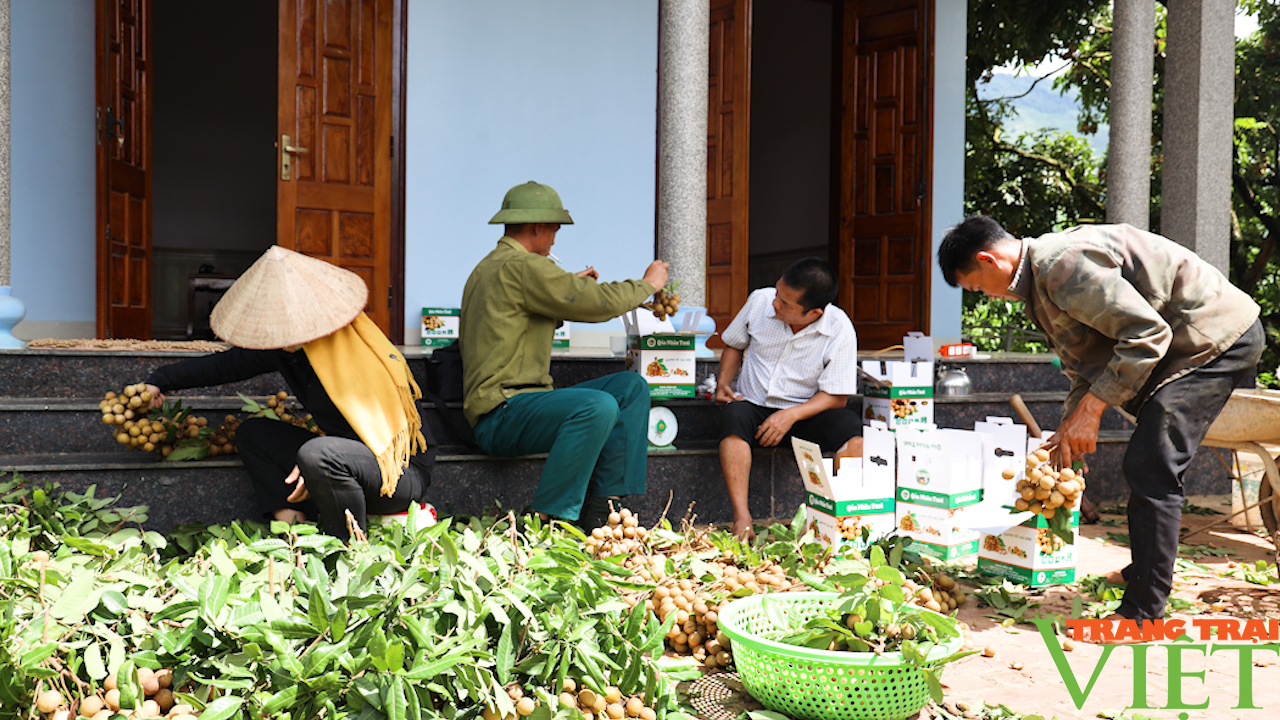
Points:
(440, 326)
(1031, 554)
(939, 476)
(664, 358)
(1005, 447)
(560, 340)
(939, 467)
(904, 395)
(841, 504)
(936, 531)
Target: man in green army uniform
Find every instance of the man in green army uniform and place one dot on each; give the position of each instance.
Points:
(594, 433)
(1141, 324)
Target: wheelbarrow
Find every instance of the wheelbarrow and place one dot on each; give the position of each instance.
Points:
(1250, 418)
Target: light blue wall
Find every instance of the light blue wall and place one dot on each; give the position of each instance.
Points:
(52, 155)
(948, 157)
(501, 92)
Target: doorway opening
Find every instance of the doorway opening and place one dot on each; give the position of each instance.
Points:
(794, 148)
(214, 87)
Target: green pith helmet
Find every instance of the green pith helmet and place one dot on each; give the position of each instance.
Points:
(532, 203)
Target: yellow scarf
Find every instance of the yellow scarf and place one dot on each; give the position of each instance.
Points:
(369, 381)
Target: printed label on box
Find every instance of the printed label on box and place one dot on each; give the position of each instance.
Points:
(666, 362)
(1033, 556)
(939, 500)
(845, 533)
(440, 326)
(897, 412)
(561, 337)
(937, 527)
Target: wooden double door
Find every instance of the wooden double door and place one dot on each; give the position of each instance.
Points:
(881, 143)
(337, 179)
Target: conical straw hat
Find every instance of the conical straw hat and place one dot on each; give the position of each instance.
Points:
(286, 298)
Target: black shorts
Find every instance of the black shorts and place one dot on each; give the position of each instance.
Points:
(829, 429)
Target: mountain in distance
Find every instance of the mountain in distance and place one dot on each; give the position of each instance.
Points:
(1042, 108)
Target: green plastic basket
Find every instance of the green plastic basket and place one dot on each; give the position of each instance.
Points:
(818, 684)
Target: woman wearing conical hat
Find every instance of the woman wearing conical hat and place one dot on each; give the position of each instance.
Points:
(304, 318)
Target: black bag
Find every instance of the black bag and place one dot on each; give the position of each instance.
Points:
(444, 385)
(445, 378)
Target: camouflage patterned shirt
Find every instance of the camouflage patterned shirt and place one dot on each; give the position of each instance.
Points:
(1127, 310)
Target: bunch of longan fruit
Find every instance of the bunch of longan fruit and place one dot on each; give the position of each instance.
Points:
(937, 591)
(158, 700)
(137, 427)
(666, 302)
(1045, 489)
(612, 704)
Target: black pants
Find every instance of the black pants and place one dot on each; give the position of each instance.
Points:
(829, 429)
(1171, 425)
(340, 474)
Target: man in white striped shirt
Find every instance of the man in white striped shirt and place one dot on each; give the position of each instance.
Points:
(795, 358)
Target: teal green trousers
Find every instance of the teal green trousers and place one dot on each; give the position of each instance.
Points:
(595, 435)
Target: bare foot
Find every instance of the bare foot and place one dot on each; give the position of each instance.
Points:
(743, 530)
(290, 516)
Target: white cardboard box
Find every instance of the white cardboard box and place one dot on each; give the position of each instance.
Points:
(904, 395)
(939, 467)
(1006, 448)
(840, 504)
(937, 531)
(1031, 554)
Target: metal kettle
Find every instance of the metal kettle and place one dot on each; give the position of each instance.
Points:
(953, 382)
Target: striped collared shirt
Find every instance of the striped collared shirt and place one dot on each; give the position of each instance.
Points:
(782, 369)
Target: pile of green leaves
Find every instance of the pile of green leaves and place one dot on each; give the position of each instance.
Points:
(283, 622)
(871, 615)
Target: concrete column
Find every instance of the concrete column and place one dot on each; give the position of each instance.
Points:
(684, 28)
(1129, 148)
(11, 309)
(1199, 101)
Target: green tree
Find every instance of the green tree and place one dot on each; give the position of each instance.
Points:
(1041, 181)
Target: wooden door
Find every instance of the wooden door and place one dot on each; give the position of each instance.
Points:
(123, 212)
(335, 106)
(728, 123)
(884, 221)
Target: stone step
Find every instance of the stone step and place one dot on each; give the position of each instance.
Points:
(218, 490)
(55, 425)
(463, 482)
(90, 374)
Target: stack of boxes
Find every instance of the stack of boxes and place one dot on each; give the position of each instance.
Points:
(859, 495)
(902, 393)
(939, 477)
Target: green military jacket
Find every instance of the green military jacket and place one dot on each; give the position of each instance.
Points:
(510, 307)
(1127, 310)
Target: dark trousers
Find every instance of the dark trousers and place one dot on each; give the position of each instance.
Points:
(595, 435)
(1171, 425)
(340, 474)
(829, 429)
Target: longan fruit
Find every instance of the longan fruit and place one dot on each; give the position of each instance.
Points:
(110, 683)
(164, 698)
(91, 705)
(1008, 474)
(113, 699)
(525, 706)
(634, 705)
(149, 709)
(567, 700)
(48, 701)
